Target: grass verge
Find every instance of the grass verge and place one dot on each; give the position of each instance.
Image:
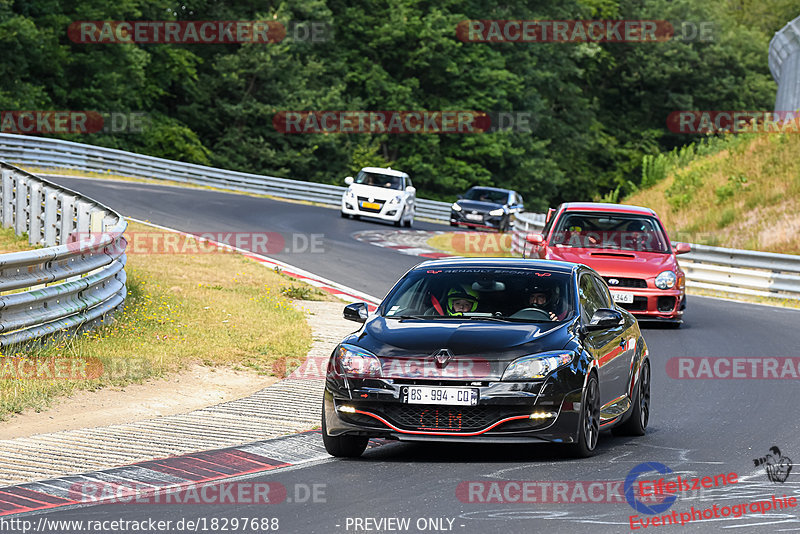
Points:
(746, 196)
(215, 309)
(10, 242)
(473, 244)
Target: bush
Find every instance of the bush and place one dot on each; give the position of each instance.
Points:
(682, 190)
(302, 293)
(727, 191)
(726, 217)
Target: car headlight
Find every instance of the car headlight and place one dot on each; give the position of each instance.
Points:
(666, 280)
(536, 365)
(396, 200)
(357, 363)
(496, 213)
(455, 207)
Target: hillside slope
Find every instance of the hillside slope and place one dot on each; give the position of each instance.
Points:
(747, 196)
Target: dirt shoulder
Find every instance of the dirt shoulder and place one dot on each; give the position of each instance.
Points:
(191, 389)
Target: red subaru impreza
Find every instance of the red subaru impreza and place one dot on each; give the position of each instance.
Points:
(628, 246)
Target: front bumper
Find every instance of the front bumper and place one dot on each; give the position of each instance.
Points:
(654, 304)
(376, 408)
(386, 211)
(459, 218)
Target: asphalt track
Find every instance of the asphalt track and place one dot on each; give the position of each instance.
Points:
(698, 427)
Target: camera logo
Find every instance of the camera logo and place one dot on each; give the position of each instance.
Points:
(775, 464)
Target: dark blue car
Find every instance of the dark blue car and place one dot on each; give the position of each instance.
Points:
(492, 350)
(486, 207)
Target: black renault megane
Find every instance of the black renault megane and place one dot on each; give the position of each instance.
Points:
(489, 350)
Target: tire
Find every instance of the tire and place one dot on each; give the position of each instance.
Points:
(453, 224)
(589, 426)
(410, 222)
(503, 228)
(344, 215)
(636, 424)
(343, 446)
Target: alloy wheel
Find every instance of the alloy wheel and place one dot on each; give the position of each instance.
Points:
(591, 418)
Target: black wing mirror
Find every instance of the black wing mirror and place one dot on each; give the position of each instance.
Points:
(605, 318)
(357, 312)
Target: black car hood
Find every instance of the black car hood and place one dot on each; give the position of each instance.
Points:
(407, 348)
(476, 205)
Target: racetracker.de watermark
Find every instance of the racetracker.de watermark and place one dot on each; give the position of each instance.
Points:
(157, 242)
(480, 242)
(545, 491)
(644, 240)
(583, 31)
(234, 493)
(733, 368)
(73, 122)
(71, 368)
(316, 368)
(198, 32)
(713, 122)
(403, 122)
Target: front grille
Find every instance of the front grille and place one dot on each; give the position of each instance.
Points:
(444, 418)
(638, 304)
(625, 282)
(370, 210)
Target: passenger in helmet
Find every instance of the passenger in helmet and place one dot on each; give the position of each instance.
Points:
(461, 299)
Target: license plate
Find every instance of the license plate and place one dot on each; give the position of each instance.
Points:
(624, 298)
(441, 395)
(474, 217)
(371, 205)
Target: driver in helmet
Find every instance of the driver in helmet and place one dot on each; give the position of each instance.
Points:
(461, 299)
(545, 299)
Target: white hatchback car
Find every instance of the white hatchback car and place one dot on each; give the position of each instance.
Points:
(381, 193)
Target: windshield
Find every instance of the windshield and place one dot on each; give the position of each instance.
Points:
(610, 231)
(379, 180)
(487, 195)
(525, 295)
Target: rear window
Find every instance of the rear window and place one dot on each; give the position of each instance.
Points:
(610, 231)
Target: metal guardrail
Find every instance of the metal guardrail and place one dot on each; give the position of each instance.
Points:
(43, 152)
(526, 223)
(784, 64)
(77, 279)
(742, 272)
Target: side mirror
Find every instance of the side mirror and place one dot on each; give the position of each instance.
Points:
(356, 311)
(535, 239)
(411, 189)
(605, 318)
(682, 248)
(460, 197)
(348, 180)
